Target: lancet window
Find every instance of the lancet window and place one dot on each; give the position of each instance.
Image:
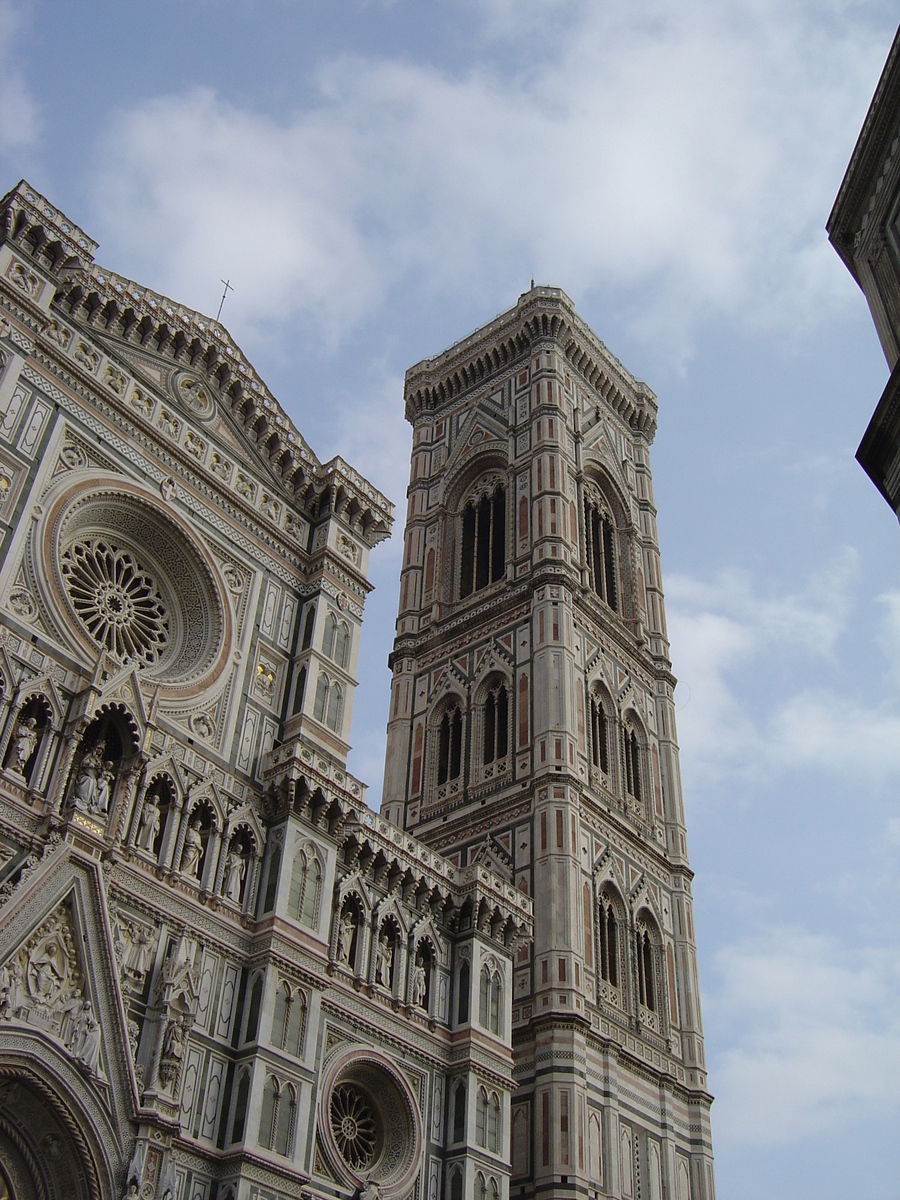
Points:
(599, 735)
(646, 967)
(608, 938)
(632, 754)
(496, 724)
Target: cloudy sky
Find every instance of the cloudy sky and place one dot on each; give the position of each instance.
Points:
(377, 178)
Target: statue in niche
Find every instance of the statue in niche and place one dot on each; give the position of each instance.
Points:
(235, 869)
(149, 827)
(6, 984)
(105, 778)
(172, 1053)
(420, 983)
(193, 848)
(25, 739)
(140, 950)
(384, 957)
(345, 937)
(87, 781)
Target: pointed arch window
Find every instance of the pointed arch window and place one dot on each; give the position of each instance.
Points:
(490, 999)
(632, 750)
(449, 745)
(329, 702)
(646, 971)
(456, 1184)
(609, 941)
(336, 643)
(462, 993)
(600, 547)
(493, 1123)
(306, 882)
(459, 1112)
(599, 736)
(496, 724)
(483, 542)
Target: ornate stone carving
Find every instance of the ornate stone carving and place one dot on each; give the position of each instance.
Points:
(94, 782)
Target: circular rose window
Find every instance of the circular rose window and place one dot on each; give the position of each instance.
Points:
(371, 1126)
(137, 584)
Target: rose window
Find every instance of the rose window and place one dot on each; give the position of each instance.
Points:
(133, 580)
(117, 600)
(354, 1125)
(369, 1123)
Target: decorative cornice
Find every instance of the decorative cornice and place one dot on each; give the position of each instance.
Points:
(491, 354)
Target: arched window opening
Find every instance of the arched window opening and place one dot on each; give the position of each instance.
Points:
(480, 1187)
(489, 999)
(272, 880)
(299, 691)
(284, 1126)
(321, 702)
(645, 967)
(483, 542)
(608, 931)
(633, 765)
(599, 736)
(456, 1185)
(306, 880)
(496, 724)
(329, 702)
(280, 1015)
(336, 643)
(253, 1011)
(481, 1107)
(459, 1113)
(463, 983)
(493, 1123)
(268, 1113)
(600, 551)
(450, 745)
(335, 704)
(240, 1108)
(308, 628)
(328, 641)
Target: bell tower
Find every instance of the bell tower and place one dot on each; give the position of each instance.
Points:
(532, 730)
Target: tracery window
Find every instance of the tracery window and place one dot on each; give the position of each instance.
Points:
(449, 764)
(483, 558)
(600, 548)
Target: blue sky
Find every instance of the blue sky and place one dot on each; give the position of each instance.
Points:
(379, 178)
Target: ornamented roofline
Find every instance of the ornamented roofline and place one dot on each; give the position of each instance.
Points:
(541, 314)
(110, 302)
(322, 793)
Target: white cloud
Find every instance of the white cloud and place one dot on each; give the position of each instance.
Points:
(690, 147)
(815, 1037)
(19, 123)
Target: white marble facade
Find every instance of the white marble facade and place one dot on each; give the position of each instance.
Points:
(221, 975)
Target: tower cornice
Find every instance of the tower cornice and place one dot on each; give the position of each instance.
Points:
(542, 313)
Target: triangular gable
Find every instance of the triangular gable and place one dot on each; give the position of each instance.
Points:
(60, 985)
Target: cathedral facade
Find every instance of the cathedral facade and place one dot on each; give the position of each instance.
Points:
(224, 977)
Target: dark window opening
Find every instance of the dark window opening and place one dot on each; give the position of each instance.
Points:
(601, 554)
(496, 725)
(483, 543)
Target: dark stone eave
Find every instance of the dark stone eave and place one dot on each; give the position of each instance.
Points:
(878, 131)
